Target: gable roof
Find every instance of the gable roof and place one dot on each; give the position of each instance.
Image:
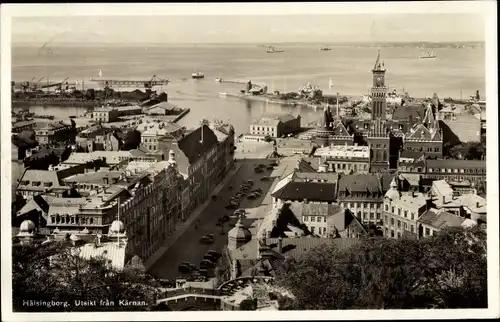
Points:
(194, 147)
(312, 191)
(419, 132)
(339, 129)
(360, 183)
(440, 219)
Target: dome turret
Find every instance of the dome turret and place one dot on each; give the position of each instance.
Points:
(393, 192)
(239, 235)
(117, 227)
(27, 226)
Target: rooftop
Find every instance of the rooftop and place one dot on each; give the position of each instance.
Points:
(360, 183)
(440, 219)
(411, 201)
(312, 191)
(343, 151)
(456, 164)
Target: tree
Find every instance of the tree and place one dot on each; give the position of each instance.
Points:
(53, 272)
(443, 271)
(468, 151)
(132, 140)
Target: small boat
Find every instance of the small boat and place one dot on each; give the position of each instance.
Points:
(325, 48)
(197, 75)
(428, 55)
(273, 50)
(218, 80)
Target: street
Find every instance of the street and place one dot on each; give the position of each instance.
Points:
(188, 247)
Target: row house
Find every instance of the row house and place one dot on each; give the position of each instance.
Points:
(151, 211)
(225, 152)
(472, 171)
(196, 155)
(331, 221)
(401, 211)
(363, 195)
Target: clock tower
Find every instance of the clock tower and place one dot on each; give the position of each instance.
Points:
(379, 90)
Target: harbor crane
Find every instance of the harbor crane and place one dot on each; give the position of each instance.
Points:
(35, 86)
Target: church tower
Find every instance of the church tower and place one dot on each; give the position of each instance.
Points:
(379, 90)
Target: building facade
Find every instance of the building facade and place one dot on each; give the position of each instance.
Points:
(401, 212)
(345, 159)
(53, 132)
(276, 126)
(363, 195)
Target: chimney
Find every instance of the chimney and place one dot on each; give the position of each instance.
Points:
(410, 121)
(444, 199)
(477, 204)
(280, 245)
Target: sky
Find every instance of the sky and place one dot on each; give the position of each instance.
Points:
(248, 29)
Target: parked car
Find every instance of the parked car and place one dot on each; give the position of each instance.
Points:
(210, 258)
(184, 269)
(258, 170)
(211, 236)
(214, 253)
(251, 196)
(250, 182)
(264, 178)
(259, 190)
(270, 167)
(203, 272)
(206, 240)
(206, 264)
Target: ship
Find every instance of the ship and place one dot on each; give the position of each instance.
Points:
(273, 50)
(325, 48)
(218, 80)
(197, 75)
(428, 55)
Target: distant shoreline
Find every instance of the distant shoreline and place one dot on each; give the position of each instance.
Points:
(413, 44)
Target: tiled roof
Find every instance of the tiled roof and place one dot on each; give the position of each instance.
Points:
(312, 191)
(296, 247)
(320, 209)
(42, 176)
(456, 164)
(192, 145)
(330, 177)
(360, 183)
(417, 112)
(440, 219)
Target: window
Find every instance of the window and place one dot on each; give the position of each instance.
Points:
(406, 226)
(357, 204)
(324, 219)
(372, 216)
(399, 211)
(378, 216)
(386, 208)
(392, 233)
(406, 213)
(386, 219)
(313, 218)
(399, 235)
(412, 216)
(392, 221)
(319, 219)
(312, 229)
(393, 210)
(399, 223)
(305, 218)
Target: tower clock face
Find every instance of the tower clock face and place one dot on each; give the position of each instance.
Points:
(379, 81)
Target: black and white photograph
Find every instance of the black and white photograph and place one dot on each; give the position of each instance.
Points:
(306, 160)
